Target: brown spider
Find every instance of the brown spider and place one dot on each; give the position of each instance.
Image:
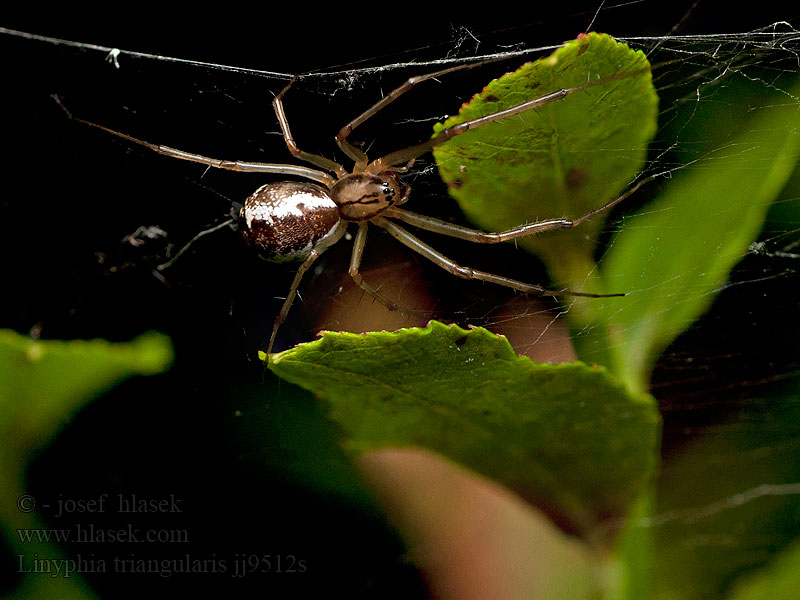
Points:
(297, 221)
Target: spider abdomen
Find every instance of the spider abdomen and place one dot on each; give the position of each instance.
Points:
(283, 221)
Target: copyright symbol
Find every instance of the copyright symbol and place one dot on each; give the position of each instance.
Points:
(26, 503)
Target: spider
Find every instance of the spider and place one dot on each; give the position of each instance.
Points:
(298, 221)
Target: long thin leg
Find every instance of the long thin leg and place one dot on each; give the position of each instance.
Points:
(230, 165)
(482, 237)
(474, 235)
(357, 154)
(355, 263)
(312, 256)
(630, 191)
(203, 233)
(314, 159)
(450, 266)
(406, 154)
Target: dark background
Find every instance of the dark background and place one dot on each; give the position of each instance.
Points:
(71, 194)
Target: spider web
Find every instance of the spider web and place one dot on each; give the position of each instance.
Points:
(97, 216)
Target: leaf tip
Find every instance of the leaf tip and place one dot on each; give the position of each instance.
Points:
(154, 351)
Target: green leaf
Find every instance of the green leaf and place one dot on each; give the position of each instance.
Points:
(42, 383)
(561, 160)
(569, 437)
(674, 256)
(635, 554)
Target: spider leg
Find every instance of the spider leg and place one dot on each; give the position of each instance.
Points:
(356, 153)
(630, 191)
(230, 165)
(452, 267)
(406, 154)
(355, 263)
(205, 232)
(474, 235)
(312, 256)
(482, 237)
(314, 159)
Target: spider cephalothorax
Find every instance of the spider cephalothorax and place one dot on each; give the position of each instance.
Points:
(364, 196)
